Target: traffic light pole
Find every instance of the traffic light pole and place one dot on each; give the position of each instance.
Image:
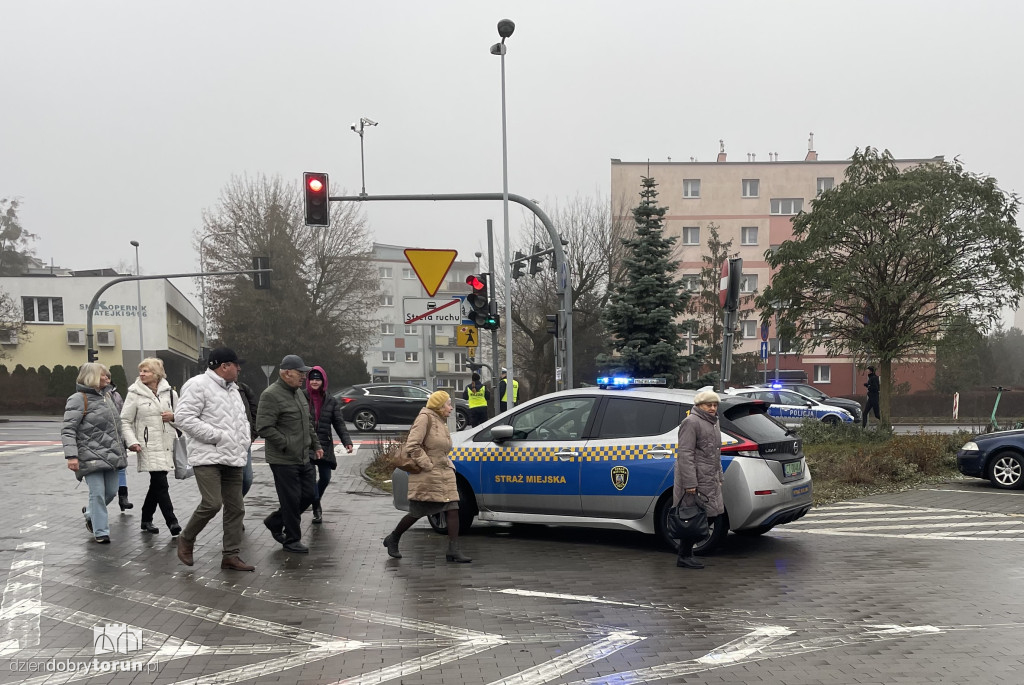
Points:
(494, 332)
(563, 278)
(124, 279)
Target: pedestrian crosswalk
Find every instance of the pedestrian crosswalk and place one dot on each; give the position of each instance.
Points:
(866, 519)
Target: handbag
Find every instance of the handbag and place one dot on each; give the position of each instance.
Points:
(689, 523)
(404, 462)
(182, 469)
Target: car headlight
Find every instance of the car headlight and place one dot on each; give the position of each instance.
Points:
(970, 447)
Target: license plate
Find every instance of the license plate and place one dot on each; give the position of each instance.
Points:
(802, 490)
(792, 468)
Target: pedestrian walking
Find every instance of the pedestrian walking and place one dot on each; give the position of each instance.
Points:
(325, 412)
(212, 415)
(698, 472)
(433, 490)
(146, 420)
(93, 444)
(283, 422)
(110, 390)
(478, 396)
(874, 387)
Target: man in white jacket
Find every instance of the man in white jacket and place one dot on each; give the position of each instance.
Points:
(210, 412)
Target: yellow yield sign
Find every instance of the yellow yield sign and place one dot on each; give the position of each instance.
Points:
(467, 336)
(431, 266)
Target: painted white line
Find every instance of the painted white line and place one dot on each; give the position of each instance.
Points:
(21, 605)
(418, 664)
(570, 661)
(910, 536)
(997, 493)
(556, 595)
(926, 521)
(746, 646)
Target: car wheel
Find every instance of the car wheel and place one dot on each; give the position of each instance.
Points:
(364, 420)
(719, 529)
(754, 532)
(1007, 471)
(467, 512)
(461, 420)
(831, 420)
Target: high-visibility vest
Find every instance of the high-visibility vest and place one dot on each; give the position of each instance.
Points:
(477, 398)
(515, 392)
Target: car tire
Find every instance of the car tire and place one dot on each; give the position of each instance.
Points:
(1006, 471)
(467, 512)
(364, 420)
(719, 529)
(831, 420)
(461, 420)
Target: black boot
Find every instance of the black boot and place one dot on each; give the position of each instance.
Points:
(455, 554)
(686, 558)
(122, 498)
(318, 513)
(391, 542)
(148, 527)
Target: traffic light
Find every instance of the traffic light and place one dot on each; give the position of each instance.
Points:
(318, 207)
(553, 324)
(261, 281)
(94, 356)
(483, 312)
(535, 261)
(518, 265)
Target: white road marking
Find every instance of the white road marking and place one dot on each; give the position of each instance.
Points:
(556, 595)
(910, 522)
(21, 605)
(570, 661)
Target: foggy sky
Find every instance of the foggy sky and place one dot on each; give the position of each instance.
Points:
(124, 120)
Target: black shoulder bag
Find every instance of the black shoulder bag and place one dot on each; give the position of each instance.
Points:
(689, 523)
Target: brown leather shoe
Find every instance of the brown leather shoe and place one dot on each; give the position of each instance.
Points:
(185, 550)
(235, 564)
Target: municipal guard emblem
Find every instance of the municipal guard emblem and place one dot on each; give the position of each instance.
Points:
(620, 476)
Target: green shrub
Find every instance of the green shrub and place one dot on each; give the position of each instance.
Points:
(814, 432)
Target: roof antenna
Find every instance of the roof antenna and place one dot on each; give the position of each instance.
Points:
(810, 142)
(721, 145)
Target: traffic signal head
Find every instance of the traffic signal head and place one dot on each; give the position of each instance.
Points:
(535, 260)
(93, 356)
(518, 265)
(552, 324)
(315, 192)
(261, 281)
(482, 310)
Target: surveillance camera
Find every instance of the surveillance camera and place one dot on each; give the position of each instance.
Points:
(506, 27)
(353, 127)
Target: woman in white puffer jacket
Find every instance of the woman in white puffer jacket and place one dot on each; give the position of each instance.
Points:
(146, 422)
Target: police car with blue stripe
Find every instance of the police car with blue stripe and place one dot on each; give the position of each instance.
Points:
(792, 408)
(605, 458)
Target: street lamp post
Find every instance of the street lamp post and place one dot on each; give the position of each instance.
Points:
(138, 292)
(358, 129)
(505, 29)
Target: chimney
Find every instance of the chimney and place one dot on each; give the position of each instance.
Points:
(812, 156)
(721, 150)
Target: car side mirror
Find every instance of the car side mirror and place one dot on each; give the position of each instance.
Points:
(809, 404)
(501, 433)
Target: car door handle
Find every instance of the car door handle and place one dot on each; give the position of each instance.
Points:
(659, 454)
(566, 456)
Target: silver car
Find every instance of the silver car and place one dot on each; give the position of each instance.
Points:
(606, 458)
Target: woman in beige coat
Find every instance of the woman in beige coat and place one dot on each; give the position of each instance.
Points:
(699, 465)
(146, 422)
(433, 490)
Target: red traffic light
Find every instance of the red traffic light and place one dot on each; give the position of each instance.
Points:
(475, 282)
(315, 196)
(315, 185)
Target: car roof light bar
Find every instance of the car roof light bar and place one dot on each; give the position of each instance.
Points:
(627, 381)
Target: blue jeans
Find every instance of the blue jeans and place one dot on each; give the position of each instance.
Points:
(122, 478)
(102, 491)
(247, 473)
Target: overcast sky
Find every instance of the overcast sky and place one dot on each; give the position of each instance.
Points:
(124, 120)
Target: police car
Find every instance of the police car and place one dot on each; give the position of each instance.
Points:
(792, 408)
(605, 458)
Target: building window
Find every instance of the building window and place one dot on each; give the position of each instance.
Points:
(748, 327)
(691, 282)
(387, 329)
(786, 206)
(822, 373)
(748, 235)
(43, 309)
(386, 272)
(388, 356)
(825, 184)
(461, 363)
(408, 275)
(440, 356)
(387, 301)
(691, 187)
(822, 326)
(691, 235)
(412, 356)
(748, 283)
(751, 187)
(411, 330)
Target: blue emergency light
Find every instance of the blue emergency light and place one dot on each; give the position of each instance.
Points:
(627, 381)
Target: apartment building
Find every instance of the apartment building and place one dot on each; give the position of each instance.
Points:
(418, 354)
(752, 202)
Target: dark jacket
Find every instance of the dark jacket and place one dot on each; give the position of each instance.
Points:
(91, 432)
(699, 460)
(251, 402)
(873, 385)
(282, 419)
(330, 416)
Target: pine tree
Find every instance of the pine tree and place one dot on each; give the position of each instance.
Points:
(644, 308)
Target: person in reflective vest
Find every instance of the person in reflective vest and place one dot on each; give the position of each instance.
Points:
(503, 392)
(477, 396)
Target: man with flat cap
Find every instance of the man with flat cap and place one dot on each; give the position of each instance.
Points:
(282, 420)
(211, 414)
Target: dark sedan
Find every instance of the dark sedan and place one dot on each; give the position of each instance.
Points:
(999, 457)
(369, 404)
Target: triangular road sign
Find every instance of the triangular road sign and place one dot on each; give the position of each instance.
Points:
(431, 266)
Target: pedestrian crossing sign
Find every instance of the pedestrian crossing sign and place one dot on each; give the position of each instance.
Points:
(467, 336)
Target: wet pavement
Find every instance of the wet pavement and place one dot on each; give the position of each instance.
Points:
(917, 587)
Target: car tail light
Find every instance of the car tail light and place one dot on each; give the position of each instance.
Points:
(346, 400)
(743, 448)
(764, 492)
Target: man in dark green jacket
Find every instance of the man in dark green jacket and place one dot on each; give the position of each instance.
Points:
(282, 420)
